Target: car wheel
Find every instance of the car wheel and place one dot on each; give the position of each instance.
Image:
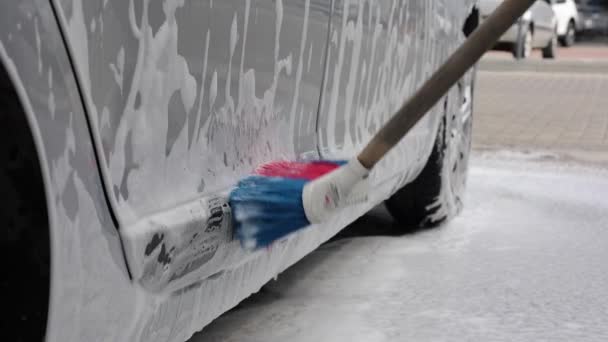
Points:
(569, 38)
(24, 238)
(550, 50)
(526, 45)
(436, 194)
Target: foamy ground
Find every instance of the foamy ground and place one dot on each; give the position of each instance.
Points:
(527, 260)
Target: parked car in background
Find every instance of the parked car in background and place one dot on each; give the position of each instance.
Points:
(594, 16)
(568, 21)
(126, 123)
(536, 29)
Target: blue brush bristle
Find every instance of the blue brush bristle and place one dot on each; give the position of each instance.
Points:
(267, 209)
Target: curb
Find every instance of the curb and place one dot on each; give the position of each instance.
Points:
(531, 65)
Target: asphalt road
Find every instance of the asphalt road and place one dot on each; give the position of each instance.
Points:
(525, 261)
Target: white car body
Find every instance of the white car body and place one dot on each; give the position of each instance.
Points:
(565, 12)
(540, 19)
(128, 122)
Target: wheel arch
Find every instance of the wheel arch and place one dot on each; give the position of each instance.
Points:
(472, 21)
(576, 23)
(26, 214)
(430, 198)
(82, 232)
(531, 26)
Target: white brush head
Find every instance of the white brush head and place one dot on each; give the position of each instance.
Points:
(344, 186)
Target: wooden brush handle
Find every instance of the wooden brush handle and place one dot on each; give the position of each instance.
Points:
(481, 40)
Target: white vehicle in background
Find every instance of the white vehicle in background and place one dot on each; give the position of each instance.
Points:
(568, 21)
(536, 29)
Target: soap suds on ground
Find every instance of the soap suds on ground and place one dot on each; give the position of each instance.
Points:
(525, 261)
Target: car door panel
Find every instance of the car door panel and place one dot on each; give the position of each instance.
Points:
(543, 17)
(379, 53)
(185, 98)
(188, 96)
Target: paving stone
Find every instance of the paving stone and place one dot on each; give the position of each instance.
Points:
(541, 110)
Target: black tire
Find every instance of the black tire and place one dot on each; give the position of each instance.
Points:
(436, 194)
(570, 37)
(526, 42)
(24, 238)
(550, 51)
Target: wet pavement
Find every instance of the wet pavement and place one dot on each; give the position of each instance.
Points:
(554, 106)
(542, 110)
(525, 261)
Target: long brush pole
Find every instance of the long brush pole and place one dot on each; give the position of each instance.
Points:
(469, 53)
(269, 208)
(324, 195)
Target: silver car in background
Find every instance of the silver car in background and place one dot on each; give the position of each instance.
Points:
(593, 17)
(536, 29)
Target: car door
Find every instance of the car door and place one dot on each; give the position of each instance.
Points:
(184, 98)
(379, 53)
(544, 22)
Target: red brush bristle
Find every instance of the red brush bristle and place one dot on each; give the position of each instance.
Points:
(299, 170)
